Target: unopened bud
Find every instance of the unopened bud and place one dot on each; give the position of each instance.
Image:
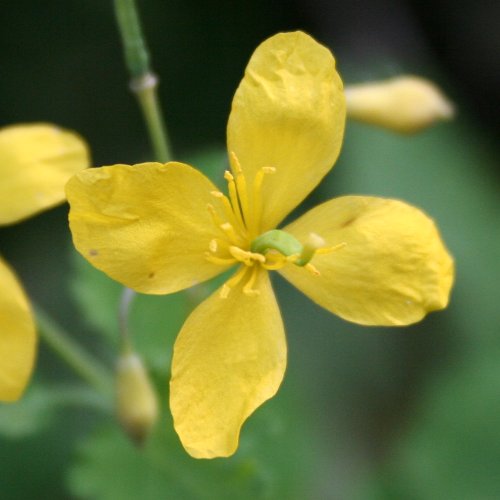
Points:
(136, 404)
(405, 104)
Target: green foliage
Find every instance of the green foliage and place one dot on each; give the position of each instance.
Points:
(452, 450)
(39, 407)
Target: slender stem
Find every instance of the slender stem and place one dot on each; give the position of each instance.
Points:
(126, 299)
(145, 90)
(143, 81)
(82, 363)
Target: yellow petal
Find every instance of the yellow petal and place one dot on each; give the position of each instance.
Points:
(405, 104)
(17, 336)
(36, 161)
(288, 113)
(229, 358)
(393, 270)
(146, 226)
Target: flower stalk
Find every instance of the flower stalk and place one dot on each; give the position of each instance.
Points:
(144, 82)
(80, 361)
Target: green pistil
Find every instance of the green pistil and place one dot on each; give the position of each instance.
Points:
(284, 243)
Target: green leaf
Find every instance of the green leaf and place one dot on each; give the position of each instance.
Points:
(40, 406)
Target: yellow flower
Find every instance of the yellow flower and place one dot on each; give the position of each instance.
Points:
(405, 104)
(36, 160)
(162, 228)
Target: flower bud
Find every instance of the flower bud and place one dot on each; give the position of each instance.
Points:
(136, 403)
(405, 104)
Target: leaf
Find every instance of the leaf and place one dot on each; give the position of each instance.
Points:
(40, 406)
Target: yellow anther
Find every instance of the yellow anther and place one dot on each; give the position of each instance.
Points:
(241, 185)
(233, 195)
(229, 231)
(235, 163)
(268, 170)
(312, 269)
(212, 246)
(228, 209)
(217, 220)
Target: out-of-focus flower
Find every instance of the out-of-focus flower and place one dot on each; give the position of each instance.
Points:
(405, 104)
(162, 228)
(36, 161)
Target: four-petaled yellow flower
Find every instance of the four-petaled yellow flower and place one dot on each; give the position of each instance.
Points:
(162, 228)
(36, 161)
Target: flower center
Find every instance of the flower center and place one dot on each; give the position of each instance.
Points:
(239, 240)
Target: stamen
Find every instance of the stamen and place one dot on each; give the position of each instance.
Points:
(234, 163)
(229, 231)
(219, 260)
(325, 250)
(247, 289)
(257, 198)
(248, 258)
(232, 282)
(312, 269)
(215, 216)
(227, 207)
(233, 195)
(212, 246)
(241, 185)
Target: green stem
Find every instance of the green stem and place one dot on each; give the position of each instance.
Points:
(143, 81)
(145, 90)
(82, 363)
(126, 300)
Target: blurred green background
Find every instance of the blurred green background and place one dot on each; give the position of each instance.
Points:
(364, 413)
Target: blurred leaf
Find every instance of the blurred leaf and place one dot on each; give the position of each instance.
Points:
(40, 406)
(212, 161)
(97, 296)
(453, 449)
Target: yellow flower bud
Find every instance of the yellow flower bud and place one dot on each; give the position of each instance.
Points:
(136, 403)
(405, 104)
